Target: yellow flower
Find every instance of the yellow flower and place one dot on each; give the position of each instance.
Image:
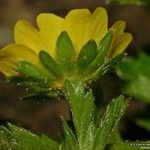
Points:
(81, 26)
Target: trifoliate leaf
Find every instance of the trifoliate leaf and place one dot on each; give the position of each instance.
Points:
(21, 139)
(65, 53)
(86, 55)
(50, 64)
(136, 73)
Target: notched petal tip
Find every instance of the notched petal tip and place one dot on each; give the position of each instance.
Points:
(81, 12)
(100, 10)
(47, 17)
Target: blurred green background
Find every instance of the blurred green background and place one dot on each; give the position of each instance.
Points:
(44, 118)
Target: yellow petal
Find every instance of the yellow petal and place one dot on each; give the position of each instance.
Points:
(6, 67)
(122, 43)
(27, 35)
(76, 24)
(118, 28)
(98, 25)
(10, 55)
(50, 27)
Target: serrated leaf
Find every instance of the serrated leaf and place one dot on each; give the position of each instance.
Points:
(65, 53)
(113, 114)
(86, 55)
(136, 73)
(71, 141)
(82, 107)
(22, 139)
(102, 50)
(50, 64)
(34, 71)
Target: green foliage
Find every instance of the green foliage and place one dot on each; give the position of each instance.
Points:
(136, 73)
(16, 138)
(89, 135)
(132, 2)
(113, 114)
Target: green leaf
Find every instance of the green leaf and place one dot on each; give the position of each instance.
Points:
(132, 2)
(109, 121)
(82, 108)
(136, 73)
(86, 55)
(65, 53)
(126, 146)
(71, 141)
(145, 123)
(34, 71)
(22, 139)
(102, 50)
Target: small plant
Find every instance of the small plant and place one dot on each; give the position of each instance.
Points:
(61, 58)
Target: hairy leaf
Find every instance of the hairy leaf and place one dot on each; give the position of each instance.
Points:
(21, 139)
(136, 73)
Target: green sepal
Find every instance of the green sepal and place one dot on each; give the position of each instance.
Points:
(34, 71)
(65, 52)
(103, 48)
(30, 83)
(49, 63)
(98, 73)
(86, 55)
(42, 97)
